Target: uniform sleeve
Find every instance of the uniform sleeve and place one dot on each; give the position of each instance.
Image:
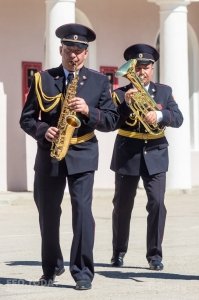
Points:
(105, 115)
(171, 114)
(29, 120)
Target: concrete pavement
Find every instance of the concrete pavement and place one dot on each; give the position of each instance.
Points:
(20, 265)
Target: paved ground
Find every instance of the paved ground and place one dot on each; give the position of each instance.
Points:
(20, 265)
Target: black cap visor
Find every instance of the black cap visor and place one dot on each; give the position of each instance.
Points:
(75, 44)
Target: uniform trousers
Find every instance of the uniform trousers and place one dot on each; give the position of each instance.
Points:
(48, 195)
(123, 202)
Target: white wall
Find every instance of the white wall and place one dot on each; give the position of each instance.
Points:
(3, 135)
(22, 25)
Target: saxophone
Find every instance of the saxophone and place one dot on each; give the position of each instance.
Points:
(67, 123)
(141, 102)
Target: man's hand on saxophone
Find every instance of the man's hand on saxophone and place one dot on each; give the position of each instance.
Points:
(51, 133)
(79, 105)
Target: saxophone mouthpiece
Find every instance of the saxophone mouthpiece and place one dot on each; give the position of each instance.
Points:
(73, 65)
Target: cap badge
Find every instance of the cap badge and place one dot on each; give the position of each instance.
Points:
(75, 37)
(140, 55)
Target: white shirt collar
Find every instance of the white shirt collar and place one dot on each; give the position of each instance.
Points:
(147, 86)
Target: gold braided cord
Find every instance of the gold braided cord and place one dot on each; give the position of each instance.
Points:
(115, 98)
(40, 95)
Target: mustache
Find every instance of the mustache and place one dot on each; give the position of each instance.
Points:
(72, 63)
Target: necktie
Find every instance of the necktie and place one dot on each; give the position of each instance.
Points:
(70, 77)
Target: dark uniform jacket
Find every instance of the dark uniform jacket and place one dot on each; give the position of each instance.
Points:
(128, 152)
(94, 88)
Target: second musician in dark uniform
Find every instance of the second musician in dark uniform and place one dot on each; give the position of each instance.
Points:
(140, 154)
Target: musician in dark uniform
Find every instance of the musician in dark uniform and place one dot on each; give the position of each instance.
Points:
(93, 105)
(139, 153)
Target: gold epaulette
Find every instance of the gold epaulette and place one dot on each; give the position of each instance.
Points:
(115, 99)
(41, 96)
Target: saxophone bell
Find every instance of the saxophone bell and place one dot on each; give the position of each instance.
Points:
(73, 121)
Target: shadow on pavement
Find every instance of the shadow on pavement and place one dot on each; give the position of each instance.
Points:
(21, 281)
(153, 274)
(27, 263)
(110, 274)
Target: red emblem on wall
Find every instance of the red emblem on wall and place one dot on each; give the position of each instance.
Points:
(28, 71)
(110, 72)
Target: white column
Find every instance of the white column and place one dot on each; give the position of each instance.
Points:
(58, 12)
(3, 135)
(174, 72)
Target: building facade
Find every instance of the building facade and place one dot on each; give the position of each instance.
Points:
(28, 43)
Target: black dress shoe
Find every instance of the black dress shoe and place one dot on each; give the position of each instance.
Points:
(49, 280)
(118, 259)
(46, 280)
(156, 265)
(59, 271)
(83, 285)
